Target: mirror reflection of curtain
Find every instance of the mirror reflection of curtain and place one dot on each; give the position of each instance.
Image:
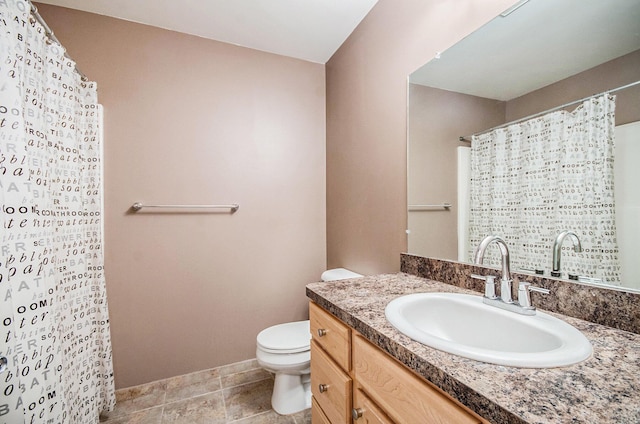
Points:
(534, 179)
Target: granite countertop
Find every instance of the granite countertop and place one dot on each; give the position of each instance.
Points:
(603, 389)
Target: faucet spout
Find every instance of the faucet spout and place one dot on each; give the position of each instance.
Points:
(505, 286)
(557, 249)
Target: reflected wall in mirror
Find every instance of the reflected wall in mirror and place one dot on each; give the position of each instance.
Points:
(542, 55)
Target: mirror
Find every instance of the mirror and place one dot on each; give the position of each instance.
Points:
(536, 56)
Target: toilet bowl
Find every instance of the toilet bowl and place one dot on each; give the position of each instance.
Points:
(284, 350)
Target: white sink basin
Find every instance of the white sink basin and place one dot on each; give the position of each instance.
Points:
(461, 324)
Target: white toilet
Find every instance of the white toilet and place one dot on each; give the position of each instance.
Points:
(284, 350)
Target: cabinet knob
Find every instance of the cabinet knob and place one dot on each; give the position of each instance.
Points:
(321, 332)
(356, 413)
(323, 388)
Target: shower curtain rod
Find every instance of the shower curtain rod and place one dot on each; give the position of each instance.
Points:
(613, 90)
(49, 33)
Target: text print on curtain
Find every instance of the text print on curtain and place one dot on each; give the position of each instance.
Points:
(534, 179)
(53, 305)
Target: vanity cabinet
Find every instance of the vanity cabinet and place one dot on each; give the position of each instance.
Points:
(331, 382)
(365, 411)
(333, 336)
(317, 415)
(401, 394)
(354, 381)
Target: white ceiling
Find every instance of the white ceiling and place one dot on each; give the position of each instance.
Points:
(310, 30)
(542, 42)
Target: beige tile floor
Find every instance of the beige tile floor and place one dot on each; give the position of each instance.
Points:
(239, 393)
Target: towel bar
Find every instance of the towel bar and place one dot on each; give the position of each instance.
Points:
(138, 206)
(444, 205)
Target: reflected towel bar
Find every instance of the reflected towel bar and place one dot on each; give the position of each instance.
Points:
(138, 206)
(445, 206)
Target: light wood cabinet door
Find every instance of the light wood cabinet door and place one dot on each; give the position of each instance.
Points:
(365, 411)
(317, 416)
(330, 386)
(332, 335)
(403, 396)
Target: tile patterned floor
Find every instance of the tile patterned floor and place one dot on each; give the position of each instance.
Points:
(239, 393)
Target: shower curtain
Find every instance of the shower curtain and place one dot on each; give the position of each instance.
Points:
(53, 305)
(535, 179)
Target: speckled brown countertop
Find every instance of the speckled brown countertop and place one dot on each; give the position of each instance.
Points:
(603, 389)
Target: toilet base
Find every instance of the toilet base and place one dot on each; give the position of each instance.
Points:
(291, 393)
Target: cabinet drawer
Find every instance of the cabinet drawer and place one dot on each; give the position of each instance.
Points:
(332, 335)
(401, 394)
(317, 416)
(330, 386)
(365, 411)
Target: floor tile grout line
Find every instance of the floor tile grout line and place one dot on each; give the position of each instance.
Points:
(247, 382)
(221, 389)
(224, 402)
(135, 411)
(251, 416)
(190, 398)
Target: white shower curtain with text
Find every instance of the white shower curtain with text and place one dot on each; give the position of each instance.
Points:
(535, 179)
(53, 305)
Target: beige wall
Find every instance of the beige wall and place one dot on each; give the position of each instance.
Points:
(193, 121)
(436, 119)
(367, 121)
(615, 73)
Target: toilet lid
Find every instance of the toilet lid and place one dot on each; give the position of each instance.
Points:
(291, 337)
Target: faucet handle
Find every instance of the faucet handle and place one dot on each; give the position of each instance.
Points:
(524, 299)
(489, 285)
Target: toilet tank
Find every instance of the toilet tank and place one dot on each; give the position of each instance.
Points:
(338, 274)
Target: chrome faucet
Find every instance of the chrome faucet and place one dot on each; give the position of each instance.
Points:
(557, 249)
(505, 282)
(523, 305)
